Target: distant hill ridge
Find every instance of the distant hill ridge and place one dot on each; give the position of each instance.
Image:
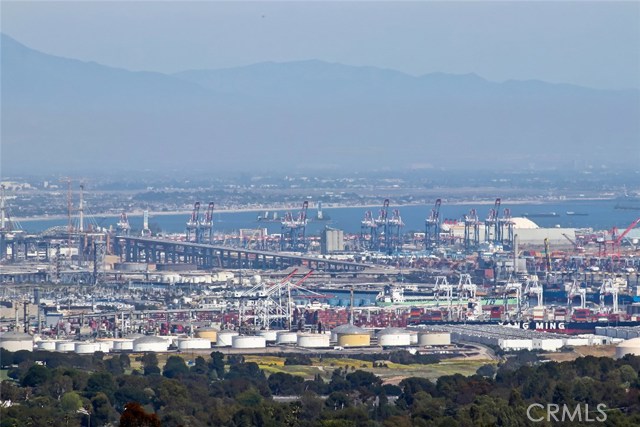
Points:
(61, 113)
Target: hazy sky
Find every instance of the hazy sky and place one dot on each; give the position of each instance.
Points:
(592, 44)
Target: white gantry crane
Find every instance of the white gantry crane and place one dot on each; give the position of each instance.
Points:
(609, 287)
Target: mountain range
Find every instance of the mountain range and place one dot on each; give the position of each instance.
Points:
(61, 115)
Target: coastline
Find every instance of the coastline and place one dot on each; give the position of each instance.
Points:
(139, 213)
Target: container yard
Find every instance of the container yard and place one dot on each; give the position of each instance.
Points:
(84, 290)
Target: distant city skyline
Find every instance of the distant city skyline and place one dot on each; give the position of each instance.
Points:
(589, 44)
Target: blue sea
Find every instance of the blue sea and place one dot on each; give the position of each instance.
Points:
(601, 216)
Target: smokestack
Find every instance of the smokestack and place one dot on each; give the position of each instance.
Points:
(515, 254)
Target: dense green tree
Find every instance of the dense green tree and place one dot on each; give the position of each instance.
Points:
(71, 402)
(283, 384)
(36, 375)
(199, 367)
(150, 364)
(101, 382)
(175, 367)
(217, 364)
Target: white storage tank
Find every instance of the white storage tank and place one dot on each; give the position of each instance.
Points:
(253, 341)
(434, 338)
(225, 338)
(631, 346)
(86, 347)
(47, 345)
(394, 337)
(123, 344)
(193, 344)
(413, 337)
(16, 341)
(106, 345)
(65, 346)
(269, 335)
(150, 343)
(313, 340)
(286, 337)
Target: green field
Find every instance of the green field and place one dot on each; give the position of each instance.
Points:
(393, 371)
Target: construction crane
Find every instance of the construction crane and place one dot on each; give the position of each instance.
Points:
(205, 227)
(192, 223)
(576, 246)
(432, 226)
(617, 240)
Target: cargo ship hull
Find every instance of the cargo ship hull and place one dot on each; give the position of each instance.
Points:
(560, 327)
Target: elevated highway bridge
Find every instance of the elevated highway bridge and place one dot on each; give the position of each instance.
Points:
(164, 251)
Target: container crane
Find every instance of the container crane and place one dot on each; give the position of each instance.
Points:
(393, 240)
(205, 227)
(432, 226)
(471, 230)
(608, 287)
(575, 244)
(293, 230)
(491, 227)
(506, 224)
(547, 257)
(123, 227)
(192, 223)
(574, 291)
(382, 222)
(368, 231)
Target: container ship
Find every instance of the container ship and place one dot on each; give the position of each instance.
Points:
(628, 202)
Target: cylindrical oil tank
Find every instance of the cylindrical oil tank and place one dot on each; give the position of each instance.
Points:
(434, 338)
(269, 335)
(65, 346)
(123, 344)
(631, 346)
(313, 340)
(106, 345)
(47, 345)
(353, 336)
(286, 337)
(394, 337)
(209, 333)
(339, 329)
(413, 337)
(193, 344)
(86, 347)
(252, 341)
(150, 343)
(16, 341)
(225, 338)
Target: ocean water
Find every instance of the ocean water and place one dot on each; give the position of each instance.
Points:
(601, 216)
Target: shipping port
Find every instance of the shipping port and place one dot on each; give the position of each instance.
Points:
(85, 282)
